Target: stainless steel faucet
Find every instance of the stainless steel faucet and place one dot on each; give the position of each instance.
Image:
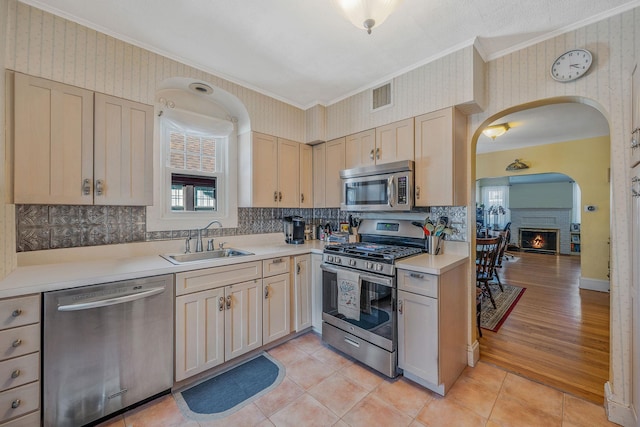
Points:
(199, 241)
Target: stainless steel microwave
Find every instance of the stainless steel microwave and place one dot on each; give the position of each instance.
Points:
(386, 187)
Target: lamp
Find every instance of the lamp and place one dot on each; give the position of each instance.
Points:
(517, 165)
(367, 13)
(496, 130)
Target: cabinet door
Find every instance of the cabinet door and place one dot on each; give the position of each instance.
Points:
(316, 292)
(302, 289)
(243, 318)
(288, 173)
(635, 287)
(334, 164)
(360, 149)
(53, 149)
(199, 332)
(275, 312)
(123, 152)
(418, 335)
(395, 142)
(635, 116)
(264, 157)
(440, 169)
(319, 173)
(306, 176)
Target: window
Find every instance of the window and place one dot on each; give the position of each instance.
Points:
(191, 193)
(496, 205)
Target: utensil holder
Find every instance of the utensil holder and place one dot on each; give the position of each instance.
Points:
(434, 245)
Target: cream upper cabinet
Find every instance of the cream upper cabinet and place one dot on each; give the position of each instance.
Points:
(440, 158)
(123, 152)
(394, 142)
(306, 176)
(302, 299)
(635, 116)
(319, 175)
(270, 172)
(53, 149)
(70, 151)
(334, 163)
(360, 149)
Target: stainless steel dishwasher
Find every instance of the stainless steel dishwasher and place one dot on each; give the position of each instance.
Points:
(106, 347)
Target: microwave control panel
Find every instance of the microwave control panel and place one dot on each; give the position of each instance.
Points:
(403, 195)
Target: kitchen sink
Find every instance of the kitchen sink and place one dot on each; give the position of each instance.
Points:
(205, 256)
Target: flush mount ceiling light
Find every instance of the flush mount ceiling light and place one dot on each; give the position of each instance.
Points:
(201, 88)
(517, 165)
(496, 130)
(367, 13)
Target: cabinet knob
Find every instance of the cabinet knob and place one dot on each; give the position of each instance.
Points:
(266, 292)
(17, 312)
(417, 191)
(371, 154)
(301, 198)
(275, 196)
(229, 302)
(16, 343)
(221, 304)
(99, 187)
(298, 268)
(400, 306)
(377, 154)
(86, 187)
(15, 403)
(16, 373)
(279, 196)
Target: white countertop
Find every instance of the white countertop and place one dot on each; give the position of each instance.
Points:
(432, 264)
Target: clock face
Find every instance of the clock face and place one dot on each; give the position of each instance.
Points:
(571, 65)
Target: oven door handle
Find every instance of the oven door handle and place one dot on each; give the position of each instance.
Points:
(328, 268)
(377, 280)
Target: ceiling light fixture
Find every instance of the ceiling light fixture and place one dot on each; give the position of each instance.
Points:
(367, 13)
(517, 165)
(496, 130)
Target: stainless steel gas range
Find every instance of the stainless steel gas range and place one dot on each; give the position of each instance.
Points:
(359, 291)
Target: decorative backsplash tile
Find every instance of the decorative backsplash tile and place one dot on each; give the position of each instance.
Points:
(41, 227)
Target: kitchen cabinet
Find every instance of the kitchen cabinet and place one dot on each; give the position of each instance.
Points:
(72, 146)
(316, 292)
(395, 142)
(306, 176)
(360, 149)
(440, 159)
(243, 318)
(432, 322)
(319, 175)
(635, 286)
(276, 320)
(271, 175)
(334, 163)
(302, 299)
(20, 360)
(635, 116)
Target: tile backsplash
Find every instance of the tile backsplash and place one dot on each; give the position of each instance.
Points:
(41, 227)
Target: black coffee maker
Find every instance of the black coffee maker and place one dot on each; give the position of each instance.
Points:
(294, 230)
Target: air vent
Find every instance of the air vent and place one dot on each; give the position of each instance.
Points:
(201, 88)
(381, 96)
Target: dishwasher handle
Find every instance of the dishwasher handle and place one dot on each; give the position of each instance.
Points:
(111, 301)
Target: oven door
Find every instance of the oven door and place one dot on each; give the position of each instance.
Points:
(366, 309)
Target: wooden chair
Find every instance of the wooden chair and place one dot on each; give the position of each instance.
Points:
(486, 255)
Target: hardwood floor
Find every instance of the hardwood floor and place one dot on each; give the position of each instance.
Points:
(557, 334)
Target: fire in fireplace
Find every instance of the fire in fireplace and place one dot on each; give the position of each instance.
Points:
(539, 240)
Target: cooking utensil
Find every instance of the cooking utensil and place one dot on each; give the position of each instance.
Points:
(419, 224)
(438, 229)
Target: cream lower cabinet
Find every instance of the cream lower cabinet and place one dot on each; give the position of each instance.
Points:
(316, 292)
(243, 318)
(432, 321)
(302, 299)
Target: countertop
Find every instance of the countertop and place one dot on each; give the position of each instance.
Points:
(432, 264)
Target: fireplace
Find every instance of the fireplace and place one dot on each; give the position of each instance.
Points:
(539, 240)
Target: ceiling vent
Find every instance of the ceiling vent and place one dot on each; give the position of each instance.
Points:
(381, 96)
(201, 88)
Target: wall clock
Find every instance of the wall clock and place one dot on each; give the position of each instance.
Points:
(571, 65)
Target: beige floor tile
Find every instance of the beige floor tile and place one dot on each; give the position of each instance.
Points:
(307, 372)
(266, 423)
(341, 423)
(331, 358)
(305, 411)
(372, 411)
(338, 393)
(162, 412)
(416, 423)
(309, 342)
(405, 395)
(442, 412)
(578, 413)
(486, 374)
(287, 353)
(117, 421)
(286, 392)
(524, 402)
(475, 395)
(248, 416)
(366, 377)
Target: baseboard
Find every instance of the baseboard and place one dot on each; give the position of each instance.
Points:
(473, 353)
(617, 412)
(594, 284)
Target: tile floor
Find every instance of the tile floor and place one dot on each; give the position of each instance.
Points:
(324, 388)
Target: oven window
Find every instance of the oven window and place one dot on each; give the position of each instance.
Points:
(366, 193)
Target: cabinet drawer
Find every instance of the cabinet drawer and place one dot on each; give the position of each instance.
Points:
(19, 311)
(19, 341)
(31, 420)
(210, 278)
(418, 283)
(25, 399)
(274, 266)
(20, 370)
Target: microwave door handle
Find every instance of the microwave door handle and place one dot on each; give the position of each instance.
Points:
(390, 192)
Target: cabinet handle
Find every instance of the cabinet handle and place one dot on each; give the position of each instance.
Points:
(416, 275)
(417, 191)
(16, 343)
(400, 306)
(15, 403)
(16, 373)
(221, 304)
(266, 292)
(277, 261)
(634, 192)
(634, 138)
(301, 198)
(279, 196)
(229, 302)
(17, 312)
(275, 196)
(99, 187)
(377, 154)
(86, 187)
(298, 268)
(371, 154)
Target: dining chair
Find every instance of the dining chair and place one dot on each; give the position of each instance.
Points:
(486, 254)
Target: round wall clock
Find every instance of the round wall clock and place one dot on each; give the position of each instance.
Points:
(571, 65)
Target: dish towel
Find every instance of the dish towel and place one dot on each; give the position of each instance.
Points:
(349, 294)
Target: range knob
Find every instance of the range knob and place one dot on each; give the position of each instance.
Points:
(369, 265)
(338, 260)
(378, 267)
(329, 258)
(352, 262)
